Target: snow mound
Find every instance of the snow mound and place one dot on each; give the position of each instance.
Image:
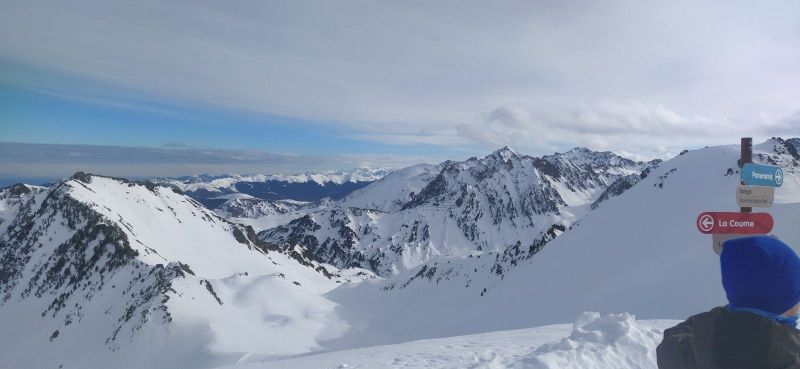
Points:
(611, 341)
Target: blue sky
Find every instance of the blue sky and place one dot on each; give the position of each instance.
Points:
(357, 82)
(98, 129)
(39, 116)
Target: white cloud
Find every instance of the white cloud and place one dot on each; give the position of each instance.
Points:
(394, 71)
(641, 130)
(785, 126)
(499, 127)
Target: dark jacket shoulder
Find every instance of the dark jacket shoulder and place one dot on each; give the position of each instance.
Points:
(721, 339)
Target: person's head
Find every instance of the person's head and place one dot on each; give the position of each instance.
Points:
(761, 273)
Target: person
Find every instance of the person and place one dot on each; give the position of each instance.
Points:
(757, 329)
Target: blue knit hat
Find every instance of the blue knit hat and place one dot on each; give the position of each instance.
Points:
(760, 273)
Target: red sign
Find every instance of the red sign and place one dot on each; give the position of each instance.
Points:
(734, 223)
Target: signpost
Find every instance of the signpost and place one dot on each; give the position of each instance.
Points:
(746, 157)
(734, 223)
(755, 196)
(757, 190)
(762, 175)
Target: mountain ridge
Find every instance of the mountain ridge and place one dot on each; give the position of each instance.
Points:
(639, 253)
(104, 267)
(461, 208)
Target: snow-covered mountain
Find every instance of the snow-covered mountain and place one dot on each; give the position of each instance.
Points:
(489, 204)
(103, 272)
(246, 206)
(211, 181)
(214, 190)
(639, 252)
(391, 192)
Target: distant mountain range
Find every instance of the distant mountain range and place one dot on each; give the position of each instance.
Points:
(213, 190)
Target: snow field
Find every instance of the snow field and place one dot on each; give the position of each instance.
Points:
(594, 341)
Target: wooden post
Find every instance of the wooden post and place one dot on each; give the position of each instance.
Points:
(746, 157)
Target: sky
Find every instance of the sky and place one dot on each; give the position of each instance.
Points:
(330, 84)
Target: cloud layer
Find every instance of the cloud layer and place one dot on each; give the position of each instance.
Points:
(643, 131)
(453, 73)
(48, 161)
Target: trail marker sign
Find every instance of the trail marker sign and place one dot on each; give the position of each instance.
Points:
(755, 196)
(762, 175)
(734, 223)
(719, 239)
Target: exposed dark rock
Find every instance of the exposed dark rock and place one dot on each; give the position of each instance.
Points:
(210, 290)
(617, 188)
(19, 189)
(547, 168)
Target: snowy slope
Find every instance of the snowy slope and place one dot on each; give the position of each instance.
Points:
(639, 252)
(103, 272)
(261, 214)
(488, 204)
(391, 192)
(615, 341)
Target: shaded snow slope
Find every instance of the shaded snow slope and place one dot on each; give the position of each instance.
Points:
(103, 272)
(250, 207)
(639, 252)
(615, 341)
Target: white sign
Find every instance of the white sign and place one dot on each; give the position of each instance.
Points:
(719, 239)
(755, 196)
